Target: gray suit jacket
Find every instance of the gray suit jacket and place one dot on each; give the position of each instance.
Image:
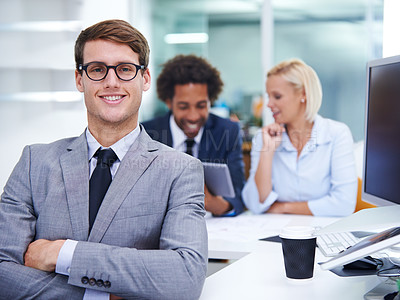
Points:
(149, 240)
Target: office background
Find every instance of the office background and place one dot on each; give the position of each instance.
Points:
(242, 38)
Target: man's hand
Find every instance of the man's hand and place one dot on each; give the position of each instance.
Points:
(215, 204)
(42, 254)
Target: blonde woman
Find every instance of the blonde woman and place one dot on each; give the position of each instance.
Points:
(303, 163)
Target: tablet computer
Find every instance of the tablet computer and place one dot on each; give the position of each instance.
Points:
(369, 245)
(218, 179)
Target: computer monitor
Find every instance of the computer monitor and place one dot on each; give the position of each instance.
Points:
(381, 160)
(381, 165)
(381, 168)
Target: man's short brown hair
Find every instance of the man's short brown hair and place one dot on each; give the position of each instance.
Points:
(118, 31)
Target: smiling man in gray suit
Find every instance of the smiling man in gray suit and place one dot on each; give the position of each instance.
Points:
(148, 240)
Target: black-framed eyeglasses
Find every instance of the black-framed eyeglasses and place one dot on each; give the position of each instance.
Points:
(97, 71)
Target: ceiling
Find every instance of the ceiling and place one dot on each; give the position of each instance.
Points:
(283, 10)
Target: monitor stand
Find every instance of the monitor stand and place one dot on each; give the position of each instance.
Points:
(381, 290)
(371, 219)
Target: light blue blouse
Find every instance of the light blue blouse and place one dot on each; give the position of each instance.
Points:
(324, 174)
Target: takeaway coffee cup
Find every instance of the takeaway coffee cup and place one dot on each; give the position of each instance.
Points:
(298, 245)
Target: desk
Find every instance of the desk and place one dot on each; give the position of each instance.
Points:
(258, 272)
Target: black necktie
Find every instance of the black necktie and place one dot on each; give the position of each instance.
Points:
(189, 146)
(100, 181)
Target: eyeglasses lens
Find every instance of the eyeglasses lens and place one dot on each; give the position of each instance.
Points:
(98, 71)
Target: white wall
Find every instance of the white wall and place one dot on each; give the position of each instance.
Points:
(240, 63)
(26, 123)
(338, 52)
(37, 58)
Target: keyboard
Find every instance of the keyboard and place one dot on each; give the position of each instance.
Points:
(331, 244)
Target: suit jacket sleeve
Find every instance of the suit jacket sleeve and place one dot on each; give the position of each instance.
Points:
(17, 230)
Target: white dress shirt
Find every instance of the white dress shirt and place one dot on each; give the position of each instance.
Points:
(324, 174)
(179, 138)
(67, 251)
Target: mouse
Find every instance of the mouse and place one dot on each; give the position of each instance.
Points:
(365, 263)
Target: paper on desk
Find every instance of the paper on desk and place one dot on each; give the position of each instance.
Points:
(244, 228)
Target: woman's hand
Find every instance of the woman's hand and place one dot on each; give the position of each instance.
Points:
(298, 208)
(272, 136)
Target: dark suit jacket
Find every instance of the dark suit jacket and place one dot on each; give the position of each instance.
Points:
(221, 143)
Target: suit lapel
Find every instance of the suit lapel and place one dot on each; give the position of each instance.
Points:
(75, 170)
(207, 139)
(165, 126)
(134, 164)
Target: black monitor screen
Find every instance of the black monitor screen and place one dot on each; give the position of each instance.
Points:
(382, 148)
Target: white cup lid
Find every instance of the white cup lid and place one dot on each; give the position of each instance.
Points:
(297, 232)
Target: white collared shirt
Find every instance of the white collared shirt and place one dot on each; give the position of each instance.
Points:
(324, 174)
(120, 148)
(179, 137)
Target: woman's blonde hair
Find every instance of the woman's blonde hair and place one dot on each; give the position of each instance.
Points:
(302, 77)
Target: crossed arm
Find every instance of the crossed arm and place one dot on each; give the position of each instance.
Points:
(339, 200)
(177, 269)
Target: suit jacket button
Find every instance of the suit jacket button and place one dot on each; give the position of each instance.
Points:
(100, 283)
(92, 281)
(107, 284)
(85, 280)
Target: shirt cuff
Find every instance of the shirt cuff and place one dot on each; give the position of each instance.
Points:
(272, 197)
(230, 213)
(65, 257)
(250, 198)
(95, 295)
